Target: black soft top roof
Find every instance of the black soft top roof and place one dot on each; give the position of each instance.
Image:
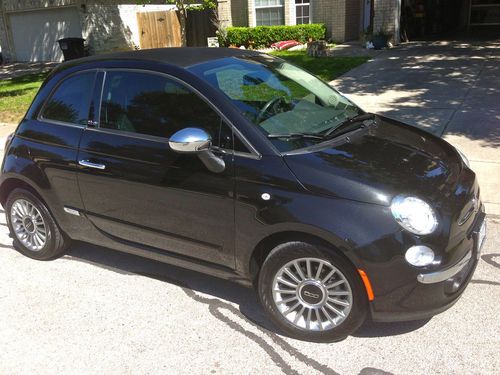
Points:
(180, 56)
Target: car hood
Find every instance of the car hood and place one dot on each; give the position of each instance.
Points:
(376, 163)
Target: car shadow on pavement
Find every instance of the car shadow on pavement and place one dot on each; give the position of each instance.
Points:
(193, 282)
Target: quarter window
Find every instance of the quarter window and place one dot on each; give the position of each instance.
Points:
(302, 10)
(70, 101)
(269, 12)
(154, 105)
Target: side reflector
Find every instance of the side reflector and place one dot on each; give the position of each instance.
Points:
(368, 285)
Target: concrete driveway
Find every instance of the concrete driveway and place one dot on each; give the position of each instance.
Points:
(451, 89)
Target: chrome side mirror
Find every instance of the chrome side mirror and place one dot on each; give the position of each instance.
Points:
(190, 140)
(197, 141)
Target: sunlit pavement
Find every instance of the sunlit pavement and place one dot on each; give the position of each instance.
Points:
(451, 89)
(100, 311)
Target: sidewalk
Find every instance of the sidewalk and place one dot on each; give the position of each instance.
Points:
(451, 89)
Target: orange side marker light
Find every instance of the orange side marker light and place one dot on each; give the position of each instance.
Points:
(368, 284)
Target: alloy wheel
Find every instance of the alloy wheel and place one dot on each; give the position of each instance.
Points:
(312, 294)
(28, 224)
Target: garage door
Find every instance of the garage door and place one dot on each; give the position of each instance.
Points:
(36, 33)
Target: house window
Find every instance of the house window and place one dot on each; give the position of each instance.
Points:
(269, 12)
(302, 8)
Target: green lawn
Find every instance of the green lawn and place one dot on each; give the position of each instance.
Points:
(327, 68)
(16, 95)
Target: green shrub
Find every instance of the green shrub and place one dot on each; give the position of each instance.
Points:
(264, 36)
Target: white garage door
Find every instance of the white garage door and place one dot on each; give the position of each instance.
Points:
(36, 33)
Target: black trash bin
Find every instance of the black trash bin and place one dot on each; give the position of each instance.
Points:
(72, 48)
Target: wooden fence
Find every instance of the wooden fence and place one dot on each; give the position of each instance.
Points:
(163, 29)
(159, 29)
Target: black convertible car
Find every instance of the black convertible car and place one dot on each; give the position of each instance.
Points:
(243, 166)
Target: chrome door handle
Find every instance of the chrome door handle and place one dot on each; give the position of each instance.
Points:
(89, 164)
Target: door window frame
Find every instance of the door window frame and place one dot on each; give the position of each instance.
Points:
(254, 154)
(40, 117)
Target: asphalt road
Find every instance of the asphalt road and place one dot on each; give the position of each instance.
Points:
(100, 311)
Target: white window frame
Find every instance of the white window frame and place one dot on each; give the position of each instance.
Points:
(302, 5)
(269, 7)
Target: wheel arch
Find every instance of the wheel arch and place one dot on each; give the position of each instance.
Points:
(11, 183)
(267, 244)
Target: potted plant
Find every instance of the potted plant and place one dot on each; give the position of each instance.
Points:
(380, 39)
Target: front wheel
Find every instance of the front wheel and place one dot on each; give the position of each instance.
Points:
(312, 294)
(32, 227)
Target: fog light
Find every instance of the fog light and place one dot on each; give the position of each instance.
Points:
(419, 256)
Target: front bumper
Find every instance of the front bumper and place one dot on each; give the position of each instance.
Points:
(432, 293)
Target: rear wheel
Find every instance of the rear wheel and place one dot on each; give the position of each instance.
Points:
(32, 227)
(312, 294)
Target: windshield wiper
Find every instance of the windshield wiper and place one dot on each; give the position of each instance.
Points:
(341, 128)
(296, 136)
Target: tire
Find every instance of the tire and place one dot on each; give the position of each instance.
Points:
(311, 293)
(33, 228)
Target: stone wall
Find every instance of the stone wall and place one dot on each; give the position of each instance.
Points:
(106, 25)
(113, 27)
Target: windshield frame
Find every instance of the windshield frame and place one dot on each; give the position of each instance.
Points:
(269, 63)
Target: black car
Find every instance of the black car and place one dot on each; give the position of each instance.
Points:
(240, 165)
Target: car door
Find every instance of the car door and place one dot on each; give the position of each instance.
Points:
(136, 189)
(46, 145)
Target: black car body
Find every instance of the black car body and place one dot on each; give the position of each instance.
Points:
(105, 183)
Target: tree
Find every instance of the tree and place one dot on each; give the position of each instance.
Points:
(183, 6)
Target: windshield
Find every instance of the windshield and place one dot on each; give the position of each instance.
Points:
(279, 98)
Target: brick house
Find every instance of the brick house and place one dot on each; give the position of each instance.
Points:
(29, 29)
(344, 19)
(347, 19)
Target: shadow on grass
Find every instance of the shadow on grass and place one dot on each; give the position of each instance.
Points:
(12, 93)
(327, 68)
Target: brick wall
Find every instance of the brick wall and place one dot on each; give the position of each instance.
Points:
(224, 12)
(352, 19)
(341, 17)
(239, 12)
(251, 13)
(386, 18)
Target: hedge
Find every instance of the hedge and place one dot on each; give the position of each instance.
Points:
(264, 36)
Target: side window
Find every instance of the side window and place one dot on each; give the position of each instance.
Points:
(154, 105)
(71, 99)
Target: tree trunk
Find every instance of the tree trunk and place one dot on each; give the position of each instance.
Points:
(182, 21)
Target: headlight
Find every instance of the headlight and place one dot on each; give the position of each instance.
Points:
(419, 256)
(414, 214)
(464, 158)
